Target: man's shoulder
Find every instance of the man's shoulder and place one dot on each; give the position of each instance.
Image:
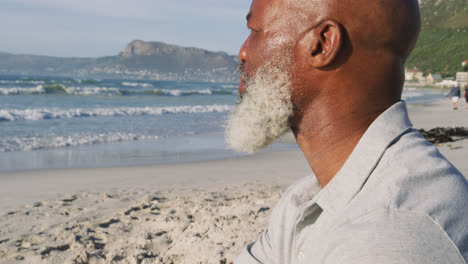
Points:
(414, 194)
(390, 235)
(413, 175)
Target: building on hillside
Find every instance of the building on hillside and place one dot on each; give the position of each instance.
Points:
(414, 75)
(462, 78)
(433, 78)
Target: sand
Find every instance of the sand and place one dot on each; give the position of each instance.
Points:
(137, 226)
(184, 213)
(441, 114)
(179, 213)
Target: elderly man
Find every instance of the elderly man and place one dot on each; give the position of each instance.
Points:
(332, 72)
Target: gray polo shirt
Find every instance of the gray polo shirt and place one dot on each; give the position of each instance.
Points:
(395, 200)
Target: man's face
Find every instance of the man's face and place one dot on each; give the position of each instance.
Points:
(264, 108)
(268, 39)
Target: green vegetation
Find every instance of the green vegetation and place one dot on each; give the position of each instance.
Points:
(440, 51)
(451, 14)
(443, 42)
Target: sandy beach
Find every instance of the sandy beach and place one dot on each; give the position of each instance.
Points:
(177, 213)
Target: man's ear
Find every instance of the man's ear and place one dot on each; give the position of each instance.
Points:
(321, 44)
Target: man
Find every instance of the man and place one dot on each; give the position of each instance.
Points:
(379, 192)
(455, 94)
(465, 94)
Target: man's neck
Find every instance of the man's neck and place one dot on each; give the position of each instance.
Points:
(341, 106)
(327, 145)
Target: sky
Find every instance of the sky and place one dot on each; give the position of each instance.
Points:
(94, 28)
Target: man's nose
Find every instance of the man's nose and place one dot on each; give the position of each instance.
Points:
(243, 52)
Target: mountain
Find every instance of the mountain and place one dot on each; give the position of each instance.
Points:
(163, 57)
(40, 65)
(443, 42)
(139, 60)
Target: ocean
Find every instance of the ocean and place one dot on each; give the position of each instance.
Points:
(54, 122)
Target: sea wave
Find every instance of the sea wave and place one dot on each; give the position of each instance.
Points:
(166, 92)
(136, 84)
(52, 141)
(35, 82)
(57, 113)
(109, 91)
(87, 81)
(16, 90)
(229, 86)
(40, 89)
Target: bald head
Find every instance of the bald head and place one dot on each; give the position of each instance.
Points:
(376, 24)
(387, 24)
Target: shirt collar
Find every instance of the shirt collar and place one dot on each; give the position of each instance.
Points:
(388, 127)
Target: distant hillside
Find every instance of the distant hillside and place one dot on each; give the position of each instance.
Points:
(139, 60)
(31, 64)
(163, 57)
(443, 42)
(442, 14)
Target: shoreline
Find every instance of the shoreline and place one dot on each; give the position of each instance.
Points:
(21, 187)
(13, 183)
(195, 148)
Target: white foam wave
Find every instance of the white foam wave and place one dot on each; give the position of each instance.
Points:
(35, 143)
(183, 92)
(135, 84)
(193, 92)
(14, 90)
(109, 91)
(54, 113)
(21, 82)
(68, 90)
(96, 91)
(229, 86)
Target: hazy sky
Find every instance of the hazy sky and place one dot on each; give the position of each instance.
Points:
(90, 28)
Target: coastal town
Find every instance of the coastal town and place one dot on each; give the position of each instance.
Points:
(415, 77)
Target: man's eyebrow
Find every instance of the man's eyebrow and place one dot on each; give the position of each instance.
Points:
(249, 15)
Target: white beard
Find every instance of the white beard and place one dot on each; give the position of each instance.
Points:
(263, 112)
